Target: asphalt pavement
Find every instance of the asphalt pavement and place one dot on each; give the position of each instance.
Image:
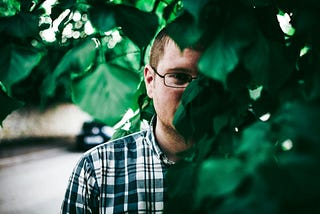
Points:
(34, 176)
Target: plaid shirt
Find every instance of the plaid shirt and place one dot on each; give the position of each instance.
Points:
(121, 176)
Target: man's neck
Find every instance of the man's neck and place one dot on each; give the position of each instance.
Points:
(170, 141)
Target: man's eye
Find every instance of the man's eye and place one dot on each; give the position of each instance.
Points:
(181, 77)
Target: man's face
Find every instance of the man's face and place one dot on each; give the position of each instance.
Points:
(166, 99)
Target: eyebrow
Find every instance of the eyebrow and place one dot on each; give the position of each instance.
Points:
(178, 69)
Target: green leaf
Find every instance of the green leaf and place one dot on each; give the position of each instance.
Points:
(126, 54)
(22, 25)
(184, 31)
(8, 104)
(169, 11)
(140, 4)
(264, 104)
(223, 54)
(145, 5)
(218, 177)
(9, 7)
(138, 25)
(257, 3)
(310, 65)
(107, 92)
(218, 60)
(201, 102)
(256, 145)
(103, 17)
(79, 60)
(195, 7)
(181, 181)
(17, 63)
(299, 121)
(268, 64)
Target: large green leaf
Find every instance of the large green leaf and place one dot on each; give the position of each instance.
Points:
(139, 26)
(202, 100)
(107, 92)
(184, 31)
(218, 177)
(78, 60)
(16, 63)
(223, 55)
(273, 69)
(126, 54)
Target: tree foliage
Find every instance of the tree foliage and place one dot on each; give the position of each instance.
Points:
(253, 111)
(87, 52)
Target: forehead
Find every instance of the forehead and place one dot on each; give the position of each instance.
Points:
(175, 58)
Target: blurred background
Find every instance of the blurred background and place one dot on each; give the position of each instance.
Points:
(38, 149)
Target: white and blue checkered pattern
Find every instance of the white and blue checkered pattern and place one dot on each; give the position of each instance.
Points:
(121, 176)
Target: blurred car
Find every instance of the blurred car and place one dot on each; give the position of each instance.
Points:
(92, 134)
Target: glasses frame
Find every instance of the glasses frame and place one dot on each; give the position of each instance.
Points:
(164, 78)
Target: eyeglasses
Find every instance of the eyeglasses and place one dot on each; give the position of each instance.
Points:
(175, 79)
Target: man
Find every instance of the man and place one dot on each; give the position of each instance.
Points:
(127, 174)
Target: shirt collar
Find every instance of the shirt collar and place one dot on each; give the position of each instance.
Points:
(154, 144)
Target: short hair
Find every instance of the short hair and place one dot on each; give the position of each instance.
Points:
(161, 41)
(158, 46)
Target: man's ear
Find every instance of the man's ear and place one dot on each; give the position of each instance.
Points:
(148, 79)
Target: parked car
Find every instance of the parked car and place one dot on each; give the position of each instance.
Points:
(92, 134)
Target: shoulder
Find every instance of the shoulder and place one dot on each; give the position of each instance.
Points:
(128, 139)
(129, 142)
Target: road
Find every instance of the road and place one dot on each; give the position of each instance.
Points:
(34, 182)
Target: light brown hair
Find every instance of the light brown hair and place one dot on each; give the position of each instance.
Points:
(161, 40)
(158, 46)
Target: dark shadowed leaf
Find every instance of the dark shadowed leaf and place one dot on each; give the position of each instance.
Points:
(184, 31)
(201, 102)
(218, 177)
(301, 121)
(265, 104)
(195, 7)
(16, 63)
(22, 25)
(139, 26)
(182, 190)
(223, 55)
(256, 145)
(61, 6)
(272, 70)
(257, 3)
(107, 92)
(102, 17)
(310, 66)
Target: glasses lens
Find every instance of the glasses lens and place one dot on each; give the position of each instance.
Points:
(177, 79)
